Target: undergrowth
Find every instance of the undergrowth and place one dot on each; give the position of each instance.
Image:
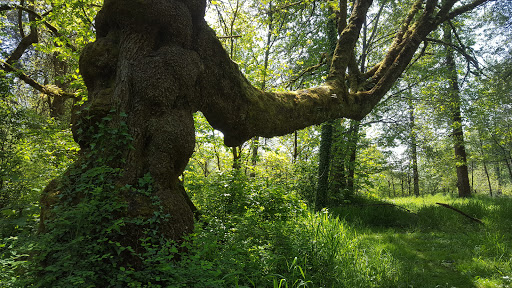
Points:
(255, 233)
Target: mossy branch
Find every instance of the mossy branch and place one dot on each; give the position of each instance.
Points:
(50, 90)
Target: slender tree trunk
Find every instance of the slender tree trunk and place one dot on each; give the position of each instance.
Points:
(353, 140)
(456, 117)
(392, 182)
(339, 163)
(295, 147)
(409, 183)
(217, 154)
(485, 167)
(414, 150)
(326, 135)
(402, 183)
(488, 178)
(509, 168)
(498, 175)
(506, 156)
(255, 143)
(323, 166)
(473, 175)
(237, 157)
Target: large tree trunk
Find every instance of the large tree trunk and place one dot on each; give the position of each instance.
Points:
(155, 62)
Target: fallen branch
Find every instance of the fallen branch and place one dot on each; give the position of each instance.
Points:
(460, 212)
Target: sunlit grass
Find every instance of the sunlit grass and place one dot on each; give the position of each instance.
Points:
(426, 245)
(442, 248)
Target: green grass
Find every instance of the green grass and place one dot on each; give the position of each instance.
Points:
(436, 247)
(414, 244)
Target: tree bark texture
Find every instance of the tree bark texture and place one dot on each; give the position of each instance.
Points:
(157, 61)
(326, 141)
(339, 159)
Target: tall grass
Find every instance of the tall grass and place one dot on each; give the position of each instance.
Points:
(312, 250)
(338, 260)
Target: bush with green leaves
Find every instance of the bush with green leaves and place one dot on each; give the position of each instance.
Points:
(84, 242)
(265, 236)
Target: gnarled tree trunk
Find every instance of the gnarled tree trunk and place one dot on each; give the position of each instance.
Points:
(157, 62)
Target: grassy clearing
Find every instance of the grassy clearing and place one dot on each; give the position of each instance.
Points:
(369, 244)
(436, 247)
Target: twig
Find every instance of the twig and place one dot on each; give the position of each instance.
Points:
(229, 37)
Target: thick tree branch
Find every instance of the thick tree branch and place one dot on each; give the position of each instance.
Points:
(344, 51)
(26, 41)
(24, 44)
(464, 9)
(271, 114)
(398, 44)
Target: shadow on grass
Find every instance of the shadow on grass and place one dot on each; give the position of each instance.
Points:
(427, 260)
(375, 213)
(435, 246)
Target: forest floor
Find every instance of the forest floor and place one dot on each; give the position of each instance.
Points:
(434, 246)
(276, 241)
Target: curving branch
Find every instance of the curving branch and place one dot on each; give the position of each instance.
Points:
(463, 9)
(36, 16)
(26, 42)
(266, 114)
